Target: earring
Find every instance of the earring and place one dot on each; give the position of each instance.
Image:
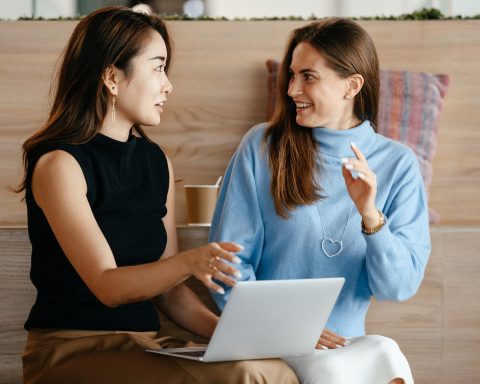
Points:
(114, 99)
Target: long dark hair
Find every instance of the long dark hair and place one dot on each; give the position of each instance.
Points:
(292, 149)
(108, 36)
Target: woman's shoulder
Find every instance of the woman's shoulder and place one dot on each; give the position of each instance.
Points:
(397, 159)
(57, 169)
(395, 150)
(56, 156)
(57, 159)
(250, 147)
(254, 136)
(258, 129)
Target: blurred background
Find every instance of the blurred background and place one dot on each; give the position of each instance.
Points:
(231, 9)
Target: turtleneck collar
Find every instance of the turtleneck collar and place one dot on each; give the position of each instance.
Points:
(113, 144)
(334, 142)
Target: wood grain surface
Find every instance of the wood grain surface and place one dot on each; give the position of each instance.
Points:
(220, 77)
(438, 330)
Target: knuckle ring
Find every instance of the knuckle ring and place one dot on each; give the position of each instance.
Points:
(211, 263)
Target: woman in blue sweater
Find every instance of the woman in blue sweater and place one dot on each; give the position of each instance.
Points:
(317, 192)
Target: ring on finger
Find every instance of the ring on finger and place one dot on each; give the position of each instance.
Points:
(211, 263)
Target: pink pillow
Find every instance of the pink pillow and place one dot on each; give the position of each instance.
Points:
(410, 105)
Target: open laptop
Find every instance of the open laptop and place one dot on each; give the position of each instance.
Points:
(268, 319)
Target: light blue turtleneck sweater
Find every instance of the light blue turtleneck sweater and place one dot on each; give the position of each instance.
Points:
(388, 265)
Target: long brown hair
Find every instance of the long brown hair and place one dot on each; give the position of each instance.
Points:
(108, 36)
(292, 149)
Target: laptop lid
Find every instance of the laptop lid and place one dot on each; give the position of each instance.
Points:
(273, 318)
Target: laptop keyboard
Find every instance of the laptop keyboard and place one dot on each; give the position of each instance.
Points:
(191, 353)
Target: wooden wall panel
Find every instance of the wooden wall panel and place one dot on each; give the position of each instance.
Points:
(219, 77)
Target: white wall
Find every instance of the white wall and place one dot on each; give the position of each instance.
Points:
(466, 7)
(325, 8)
(56, 8)
(13, 9)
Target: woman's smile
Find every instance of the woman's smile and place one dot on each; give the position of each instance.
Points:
(302, 106)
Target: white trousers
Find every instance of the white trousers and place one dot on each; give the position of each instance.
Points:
(370, 359)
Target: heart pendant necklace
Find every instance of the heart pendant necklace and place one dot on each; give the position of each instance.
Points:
(332, 247)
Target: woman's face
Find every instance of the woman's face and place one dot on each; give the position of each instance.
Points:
(319, 93)
(142, 95)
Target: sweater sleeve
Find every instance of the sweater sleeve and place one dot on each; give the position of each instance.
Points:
(397, 255)
(237, 215)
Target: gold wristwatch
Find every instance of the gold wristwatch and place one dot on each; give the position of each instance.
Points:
(371, 231)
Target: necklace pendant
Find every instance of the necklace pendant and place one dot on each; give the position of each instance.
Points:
(330, 247)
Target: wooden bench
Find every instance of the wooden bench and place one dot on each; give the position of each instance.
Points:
(438, 329)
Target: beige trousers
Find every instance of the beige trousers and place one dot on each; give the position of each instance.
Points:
(89, 357)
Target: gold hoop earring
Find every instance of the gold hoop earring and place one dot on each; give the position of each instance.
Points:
(114, 99)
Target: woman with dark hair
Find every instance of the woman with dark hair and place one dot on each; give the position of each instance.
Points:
(101, 220)
(317, 192)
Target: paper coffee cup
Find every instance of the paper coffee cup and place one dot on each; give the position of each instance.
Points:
(201, 200)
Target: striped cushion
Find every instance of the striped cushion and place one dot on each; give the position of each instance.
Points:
(410, 105)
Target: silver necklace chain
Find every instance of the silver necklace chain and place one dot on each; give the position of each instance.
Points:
(328, 240)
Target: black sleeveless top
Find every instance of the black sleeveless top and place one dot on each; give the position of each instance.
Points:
(127, 186)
